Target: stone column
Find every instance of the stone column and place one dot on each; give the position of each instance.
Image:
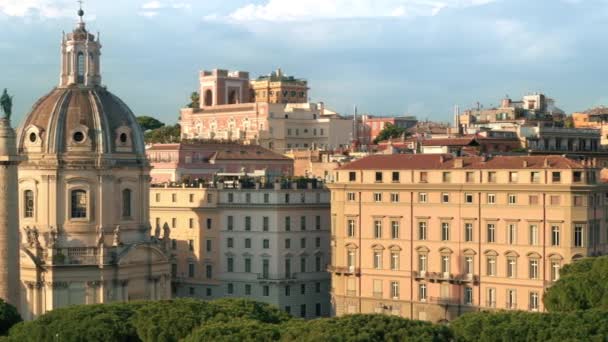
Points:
(9, 216)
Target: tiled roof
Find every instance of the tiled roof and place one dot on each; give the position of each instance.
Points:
(447, 161)
(223, 151)
(448, 142)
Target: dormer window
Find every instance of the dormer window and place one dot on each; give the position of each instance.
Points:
(123, 138)
(33, 137)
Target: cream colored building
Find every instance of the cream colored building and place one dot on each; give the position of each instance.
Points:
(433, 236)
(267, 243)
(83, 194)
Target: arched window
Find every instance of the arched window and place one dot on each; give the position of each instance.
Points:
(208, 97)
(28, 203)
(79, 204)
(233, 98)
(81, 66)
(126, 203)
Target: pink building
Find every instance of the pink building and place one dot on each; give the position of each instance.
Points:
(174, 162)
(370, 126)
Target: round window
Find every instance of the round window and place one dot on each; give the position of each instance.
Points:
(78, 137)
(33, 137)
(123, 138)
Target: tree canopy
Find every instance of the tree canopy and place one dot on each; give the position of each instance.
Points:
(163, 135)
(194, 100)
(9, 316)
(149, 123)
(390, 131)
(583, 285)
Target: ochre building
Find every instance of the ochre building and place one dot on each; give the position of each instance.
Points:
(433, 236)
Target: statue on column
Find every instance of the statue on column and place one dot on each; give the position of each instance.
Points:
(157, 233)
(166, 235)
(52, 241)
(117, 233)
(6, 103)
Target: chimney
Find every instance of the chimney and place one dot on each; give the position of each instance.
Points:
(484, 158)
(546, 164)
(458, 163)
(525, 163)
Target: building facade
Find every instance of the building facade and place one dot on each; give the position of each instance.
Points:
(83, 194)
(265, 242)
(433, 236)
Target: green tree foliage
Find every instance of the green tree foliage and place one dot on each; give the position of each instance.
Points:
(365, 328)
(149, 123)
(230, 308)
(9, 316)
(195, 99)
(237, 330)
(390, 131)
(507, 326)
(163, 135)
(582, 285)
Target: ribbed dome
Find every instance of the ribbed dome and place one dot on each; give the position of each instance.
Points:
(86, 121)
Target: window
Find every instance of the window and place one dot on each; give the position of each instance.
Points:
(157, 196)
(265, 268)
(208, 271)
(533, 269)
(578, 200)
(394, 197)
(287, 243)
(470, 177)
(533, 234)
(577, 176)
(208, 223)
(287, 268)
(533, 199)
(303, 310)
(286, 198)
(377, 260)
(350, 260)
(318, 309)
(422, 292)
(173, 197)
(318, 222)
(247, 243)
(491, 199)
(191, 270)
(468, 198)
(394, 289)
(318, 264)
(174, 270)
(534, 177)
(230, 222)
(191, 245)
(79, 204)
(511, 299)
(491, 234)
(378, 177)
(350, 228)
(468, 232)
(445, 264)
(302, 288)
(265, 243)
(377, 229)
(512, 234)
(468, 265)
(395, 176)
(423, 177)
(247, 289)
(512, 199)
(28, 203)
(491, 177)
(248, 265)
(554, 235)
(302, 222)
(247, 198)
(266, 198)
(230, 242)
(173, 222)
(511, 267)
(513, 177)
(578, 235)
(287, 290)
(350, 196)
(377, 197)
(422, 263)
(421, 230)
(191, 198)
(352, 176)
(208, 245)
(445, 197)
(303, 262)
(445, 231)
(303, 242)
(287, 223)
(317, 242)
(394, 229)
(534, 300)
(247, 223)
(230, 264)
(209, 198)
(266, 291)
(191, 223)
(422, 197)
(394, 261)
(265, 223)
(555, 268)
(446, 177)
(468, 296)
(491, 297)
(491, 266)
(556, 177)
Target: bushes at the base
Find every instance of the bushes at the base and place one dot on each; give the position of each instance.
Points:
(365, 328)
(238, 330)
(505, 326)
(9, 316)
(229, 309)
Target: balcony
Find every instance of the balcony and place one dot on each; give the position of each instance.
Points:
(344, 270)
(510, 306)
(275, 278)
(434, 277)
(490, 304)
(444, 301)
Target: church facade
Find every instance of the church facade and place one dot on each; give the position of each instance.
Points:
(83, 194)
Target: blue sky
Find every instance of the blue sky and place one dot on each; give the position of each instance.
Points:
(390, 57)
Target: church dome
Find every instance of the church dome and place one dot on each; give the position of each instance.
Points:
(81, 120)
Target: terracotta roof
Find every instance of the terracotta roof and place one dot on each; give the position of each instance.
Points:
(448, 142)
(223, 151)
(447, 161)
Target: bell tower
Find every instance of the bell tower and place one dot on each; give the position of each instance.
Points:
(80, 57)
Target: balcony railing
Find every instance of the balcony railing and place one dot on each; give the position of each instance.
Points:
(276, 277)
(445, 276)
(444, 301)
(510, 306)
(345, 270)
(491, 304)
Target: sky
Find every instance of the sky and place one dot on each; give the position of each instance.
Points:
(387, 57)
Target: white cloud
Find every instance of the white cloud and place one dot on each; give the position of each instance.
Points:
(44, 8)
(154, 8)
(289, 10)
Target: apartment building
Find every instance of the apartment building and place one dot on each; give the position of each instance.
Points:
(433, 236)
(265, 242)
